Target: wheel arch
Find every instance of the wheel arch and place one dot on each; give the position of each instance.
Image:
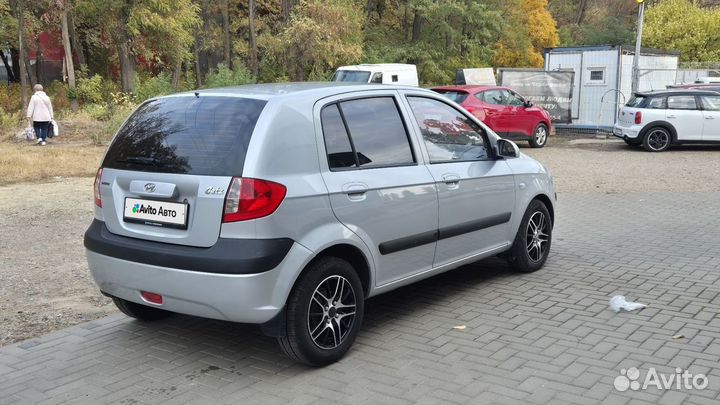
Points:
(354, 256)
(662, 124)
(548, 203)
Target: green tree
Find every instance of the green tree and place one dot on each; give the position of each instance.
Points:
(681, 25)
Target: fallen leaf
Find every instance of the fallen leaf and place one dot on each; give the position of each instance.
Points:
(678, 336)
(459, 327)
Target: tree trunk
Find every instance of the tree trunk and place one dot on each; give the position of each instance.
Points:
(226, 31)
(127, 61)
(17, 7)
(176, 75)
(39, 62)
(15, 59)
(368, 11)
(406, 23)
(68, 55)
(417, 27)
(75, 41)
(581, 12)
(198, 72)
(10, 73)
(253, 42)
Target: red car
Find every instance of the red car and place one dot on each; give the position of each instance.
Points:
(503, 110)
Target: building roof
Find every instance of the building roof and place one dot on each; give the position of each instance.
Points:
(625, 49)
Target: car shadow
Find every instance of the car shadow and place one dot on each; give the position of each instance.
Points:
(240, 345)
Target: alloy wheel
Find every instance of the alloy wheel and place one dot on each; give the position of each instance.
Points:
(540, 135)
(537, 236)
(331, 312)
(658, 139)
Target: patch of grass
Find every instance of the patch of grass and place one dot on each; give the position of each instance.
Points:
(23, 162)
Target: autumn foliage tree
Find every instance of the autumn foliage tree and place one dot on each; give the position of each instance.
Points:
(532, 29)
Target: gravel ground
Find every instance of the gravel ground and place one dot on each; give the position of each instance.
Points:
(44, 280)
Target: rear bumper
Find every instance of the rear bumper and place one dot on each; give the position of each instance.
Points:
(227, 256)
(627, 133)
(246, 298)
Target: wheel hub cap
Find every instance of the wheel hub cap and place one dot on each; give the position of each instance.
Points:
(331, 312)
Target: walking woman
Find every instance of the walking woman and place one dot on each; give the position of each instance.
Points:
(40, 113)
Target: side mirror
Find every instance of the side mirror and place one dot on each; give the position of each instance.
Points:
(527, 103)
(507, 149)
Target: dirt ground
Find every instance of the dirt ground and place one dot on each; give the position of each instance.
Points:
(44, 280)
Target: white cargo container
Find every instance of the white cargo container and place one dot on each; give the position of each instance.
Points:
(383, 73)
(603, 78)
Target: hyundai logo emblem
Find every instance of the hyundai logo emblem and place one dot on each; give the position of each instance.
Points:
(150, 187)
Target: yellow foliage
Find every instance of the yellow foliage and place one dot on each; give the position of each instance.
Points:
(533, 29)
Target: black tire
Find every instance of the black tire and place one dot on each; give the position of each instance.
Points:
(324, 347)
(657, 139)
(521, 256)
(539, 137)
(139, 311)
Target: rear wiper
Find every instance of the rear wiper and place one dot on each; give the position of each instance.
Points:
(145, 161)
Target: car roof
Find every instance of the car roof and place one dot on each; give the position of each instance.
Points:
(470, 88)
(267, 91)
(695, 92)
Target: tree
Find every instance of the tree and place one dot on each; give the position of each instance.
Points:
(320, 35)
(64, 6)
(253, 40)
(681, 25)
(533, 29)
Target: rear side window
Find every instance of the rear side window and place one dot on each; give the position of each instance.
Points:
(377, 134)
(188, 135)
(493, 97)
(656, 103)
(681, 103)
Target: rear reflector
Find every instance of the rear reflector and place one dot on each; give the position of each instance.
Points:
(96, 188)
(638, 117)
(152, 298)
(251, 199)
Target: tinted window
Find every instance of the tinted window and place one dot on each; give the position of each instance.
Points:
(337, 143)
(656, 103)
(681, 103)
(448, 134)
(711, 103)
(377, 131)
(493, 97)
(456, 96)
(194, 135)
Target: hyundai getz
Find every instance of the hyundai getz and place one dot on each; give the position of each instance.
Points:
(288, 205)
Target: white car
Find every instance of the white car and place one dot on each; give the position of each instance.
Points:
(659, 119)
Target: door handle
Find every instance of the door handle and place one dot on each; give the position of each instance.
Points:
(672, 116)
(355, 191)
(709, 118)
(452, 181)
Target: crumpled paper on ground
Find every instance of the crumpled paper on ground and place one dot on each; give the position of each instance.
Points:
(619, 302)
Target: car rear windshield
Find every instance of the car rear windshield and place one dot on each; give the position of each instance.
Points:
(635, 101)
(203, 135)
(454, 95)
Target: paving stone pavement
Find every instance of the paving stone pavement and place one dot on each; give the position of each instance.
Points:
(546, 337)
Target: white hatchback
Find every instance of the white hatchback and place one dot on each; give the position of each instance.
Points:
(659, 119)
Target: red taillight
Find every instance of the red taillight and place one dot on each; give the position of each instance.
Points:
(638, 117)
(251, 199)
(152, 298)
(96, 188)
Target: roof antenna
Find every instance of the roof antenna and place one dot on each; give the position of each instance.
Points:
(197, 94)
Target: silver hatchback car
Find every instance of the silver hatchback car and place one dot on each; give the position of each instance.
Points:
(287, 205)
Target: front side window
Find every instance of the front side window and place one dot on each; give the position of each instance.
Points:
(711, 103)
(512, 99)
(681, 103)
(367, 132)
(448, 134)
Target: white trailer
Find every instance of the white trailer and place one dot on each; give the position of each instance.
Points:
(384, 73)
(603, 78)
